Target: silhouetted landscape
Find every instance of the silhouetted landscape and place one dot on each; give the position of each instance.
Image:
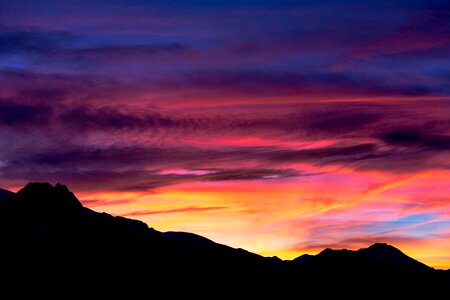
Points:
(45, 227)
(279, 149)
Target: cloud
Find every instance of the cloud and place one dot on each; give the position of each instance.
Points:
(111, 53)
(95, 180)
(340, 121)
(357, 234)
(187, 157)
(65, 46)
(95, 167)
(176, 100)
(99, 169)
(425, 30)
(107, 118)
(37, 42)
(91, 141)
(319, 154)
(278, 83)
(250, 174)
(33, 88)
(332, 122)
(14, 115)
(190, 209)
(418, 139)
(105, 202)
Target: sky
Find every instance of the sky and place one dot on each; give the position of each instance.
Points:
(281, 127)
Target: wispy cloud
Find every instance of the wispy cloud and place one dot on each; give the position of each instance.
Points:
(171, 211)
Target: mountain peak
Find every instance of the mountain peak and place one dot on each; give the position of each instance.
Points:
(50, 198)
(377, 253)
(382, 249)
(303, 258)
(382, 246)
(390, 253)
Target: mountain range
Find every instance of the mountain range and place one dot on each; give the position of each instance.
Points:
(48, 237)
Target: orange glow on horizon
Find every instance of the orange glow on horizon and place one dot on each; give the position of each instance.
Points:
(289, 217)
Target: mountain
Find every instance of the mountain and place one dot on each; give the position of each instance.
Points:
(377, 256)
(4, 194)
(378, 266)
(303, 258)
(44, 229)
(387, 253)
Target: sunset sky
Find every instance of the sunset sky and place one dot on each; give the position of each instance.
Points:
(281, 127)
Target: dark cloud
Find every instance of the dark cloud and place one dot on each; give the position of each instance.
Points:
(426, 30)
(136, 168)
(188, 157)
(37, 42)
(133, 163)
(334, 120)
(273, 83)
(250, 174)
(34, 88)
(24, 116)
(46, 95)
(105, 202)
(342, 121)
(107, 118)
(401, 162)
(190, 209)
(416, 138)
(109, 157)
(112, 53)
(64, 45)
(128, 168)
(308, 123)
(370, 143)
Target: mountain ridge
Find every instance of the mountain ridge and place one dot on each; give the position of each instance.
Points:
(66, 238)
(70, 203)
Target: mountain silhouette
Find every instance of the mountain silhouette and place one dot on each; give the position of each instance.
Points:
(4, 194)
(390, 254)
(378, 254)
(45, 227)
(303, 258)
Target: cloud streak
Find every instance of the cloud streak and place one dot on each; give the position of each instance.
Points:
(171, 211)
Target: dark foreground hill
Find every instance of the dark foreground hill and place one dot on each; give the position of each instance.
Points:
(49, 239)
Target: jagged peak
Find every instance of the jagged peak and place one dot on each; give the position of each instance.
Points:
(328, 251)
(46, 196)
(377, 247)
(42, 186)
